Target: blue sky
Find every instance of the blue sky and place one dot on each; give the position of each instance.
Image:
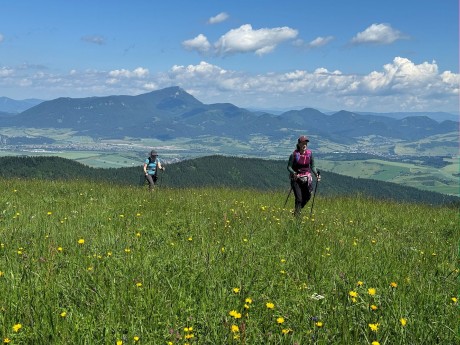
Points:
(356, 55)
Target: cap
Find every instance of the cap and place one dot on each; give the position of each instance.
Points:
(302, 138)
(153, 153)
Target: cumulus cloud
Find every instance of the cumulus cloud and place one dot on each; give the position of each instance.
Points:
(1, 38)
(400, 85)
(316, 43)
(245, 39)
(200, 43)
(320, 41)
(5, 72)
(95, 39)
(221, 17)
(378, 34)
(136, 73)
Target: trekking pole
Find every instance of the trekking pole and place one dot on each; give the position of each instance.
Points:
(314, 194)
(158, 176)
(290, 190)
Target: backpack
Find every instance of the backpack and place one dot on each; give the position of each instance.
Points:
(143, 178)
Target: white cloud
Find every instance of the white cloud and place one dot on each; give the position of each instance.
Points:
(320, 41)
(400, 85)
(96, 39)
(6, 72)
(243, 40)
(1, 38)
(136, 73)
(221, 17)
(200, 43)
(378, 34)
(261, 41)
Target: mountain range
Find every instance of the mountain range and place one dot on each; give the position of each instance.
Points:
(173, 113)
(10, 106)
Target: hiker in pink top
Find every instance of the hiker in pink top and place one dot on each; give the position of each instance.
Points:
(301, 166)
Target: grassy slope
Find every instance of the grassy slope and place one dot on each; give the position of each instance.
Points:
(152, 265)
(216, 171)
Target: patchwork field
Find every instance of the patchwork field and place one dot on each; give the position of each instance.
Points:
(389, 160)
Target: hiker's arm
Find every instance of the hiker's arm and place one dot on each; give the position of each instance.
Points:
(145, 169)
(313, 168)
(290, 163)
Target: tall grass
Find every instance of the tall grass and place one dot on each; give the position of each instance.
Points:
(87, 263)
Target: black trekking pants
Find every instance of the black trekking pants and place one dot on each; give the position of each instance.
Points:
(151, 179)
(302, 193)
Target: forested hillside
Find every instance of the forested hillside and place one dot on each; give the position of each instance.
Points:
(218, 171)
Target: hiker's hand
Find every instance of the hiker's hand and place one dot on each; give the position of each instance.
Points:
(163, 168)
(318, 177)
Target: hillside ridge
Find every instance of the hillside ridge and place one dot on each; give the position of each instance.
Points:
(218, 171)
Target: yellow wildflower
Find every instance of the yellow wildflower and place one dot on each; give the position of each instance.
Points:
(374, 327)
(403, 321)
(270, 305)
(81, 241)
(280, 320)
(353, 294)
(235, 329)
(393, 285)
(371, 291)
(235, 314)
(17, 327)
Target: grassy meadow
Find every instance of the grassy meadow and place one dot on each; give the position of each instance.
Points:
(92, 263)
